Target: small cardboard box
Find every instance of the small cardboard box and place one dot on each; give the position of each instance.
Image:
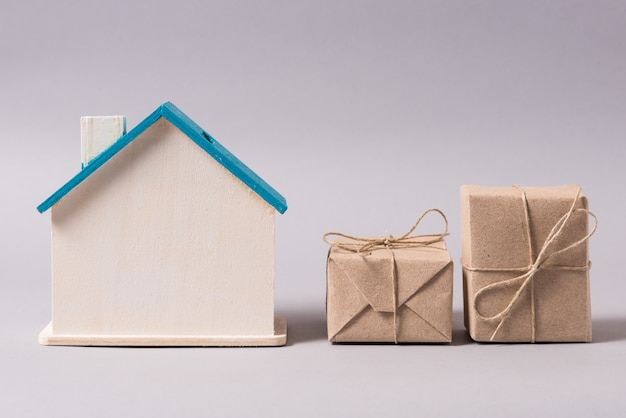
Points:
(390, 294)
(525, 263)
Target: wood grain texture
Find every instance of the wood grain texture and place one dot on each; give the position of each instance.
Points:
(162, 241)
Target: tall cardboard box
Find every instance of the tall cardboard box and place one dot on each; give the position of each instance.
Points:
(525, 263)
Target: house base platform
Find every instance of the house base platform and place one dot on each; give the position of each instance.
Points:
(47, 337)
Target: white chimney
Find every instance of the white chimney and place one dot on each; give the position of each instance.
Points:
(97, 133)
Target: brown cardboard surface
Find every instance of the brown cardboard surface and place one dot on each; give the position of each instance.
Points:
(494, 236)
(360, 295)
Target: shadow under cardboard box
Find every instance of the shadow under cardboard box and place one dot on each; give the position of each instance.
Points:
(303, 325)
(608, 329)
(603, 330)
(309, 324)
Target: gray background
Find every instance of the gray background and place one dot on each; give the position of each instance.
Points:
(362, 114)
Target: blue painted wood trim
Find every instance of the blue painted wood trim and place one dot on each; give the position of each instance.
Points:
(223, 156)
(177, 118)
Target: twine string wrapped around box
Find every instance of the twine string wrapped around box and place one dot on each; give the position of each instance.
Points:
(536, 264)
(365, 245)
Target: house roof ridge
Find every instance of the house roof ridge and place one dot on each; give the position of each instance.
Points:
(194, 132)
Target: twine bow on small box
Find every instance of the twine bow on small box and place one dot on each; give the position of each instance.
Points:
(365, 245)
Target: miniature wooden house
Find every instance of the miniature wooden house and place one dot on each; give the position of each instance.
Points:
(163, 238)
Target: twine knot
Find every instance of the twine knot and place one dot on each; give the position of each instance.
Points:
(366, 244)
(389, 241)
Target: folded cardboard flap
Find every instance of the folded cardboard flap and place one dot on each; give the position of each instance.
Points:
(362, 290)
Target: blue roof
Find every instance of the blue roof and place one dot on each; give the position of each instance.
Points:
(197, 135)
